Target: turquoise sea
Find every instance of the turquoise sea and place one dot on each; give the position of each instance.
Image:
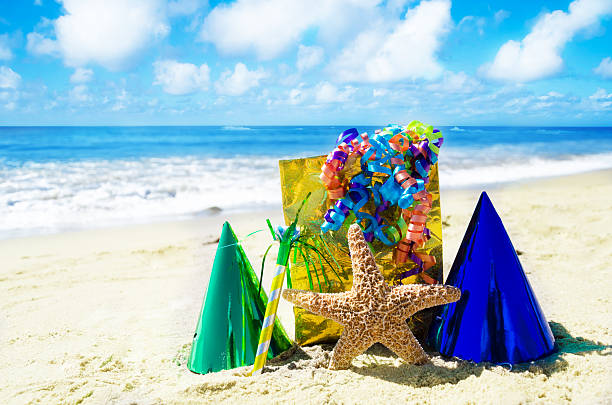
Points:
(58, 178)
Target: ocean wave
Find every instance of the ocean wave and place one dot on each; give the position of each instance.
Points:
(44, 197)
(548, 131)
(457, 174)
(457, 129)
(53, 196)
(236, 128)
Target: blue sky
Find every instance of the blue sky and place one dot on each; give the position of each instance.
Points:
(344, 62)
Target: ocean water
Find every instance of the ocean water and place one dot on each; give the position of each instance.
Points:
(59, 178)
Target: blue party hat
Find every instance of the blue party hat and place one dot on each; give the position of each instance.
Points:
(498, 318)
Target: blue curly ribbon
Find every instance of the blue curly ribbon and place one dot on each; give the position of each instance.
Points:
(377, 180)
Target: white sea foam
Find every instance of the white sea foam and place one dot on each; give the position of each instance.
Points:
(236, 128)
(47, 197)
(458, 174)
(54, 196)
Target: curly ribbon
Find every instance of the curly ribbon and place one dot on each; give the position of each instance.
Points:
(395, 166)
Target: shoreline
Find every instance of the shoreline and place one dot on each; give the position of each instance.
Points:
(107, 315)
(271, 211)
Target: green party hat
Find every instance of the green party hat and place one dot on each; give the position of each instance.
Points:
(228, 328)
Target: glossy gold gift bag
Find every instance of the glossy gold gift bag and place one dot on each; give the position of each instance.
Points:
(327, 266)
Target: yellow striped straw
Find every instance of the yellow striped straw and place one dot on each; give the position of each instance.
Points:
(265, 336)
(268, 324)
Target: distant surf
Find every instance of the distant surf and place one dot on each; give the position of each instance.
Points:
(54, 179)
(232, 128)
(54, 196)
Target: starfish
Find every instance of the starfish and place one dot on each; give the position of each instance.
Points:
(373, 311)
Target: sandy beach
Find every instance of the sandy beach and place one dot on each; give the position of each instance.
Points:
(107, 315)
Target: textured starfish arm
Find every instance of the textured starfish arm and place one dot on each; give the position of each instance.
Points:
(420, 296)
(330, 306)
(367, 277)
(403, 343)
(351, 344)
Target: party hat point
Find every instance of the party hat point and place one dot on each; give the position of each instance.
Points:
(231, 317)
(498, 318)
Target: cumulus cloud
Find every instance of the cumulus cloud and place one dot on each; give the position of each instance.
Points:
(601, 94)
(326, 92)
(605, 68)
(322, 93)
(183, 7)
(279, 24)
(538, 55)
(601, 100)
(81, 75)
(296, 95)
(309, 57)
(455, 83)
(38, 44)
(380, 92)
(269, 27)
(8, 99)
(5, 49)
(79, 94)
(396, 50)
(181, 78)
(122, 100)
(9, 79)
(239, 81)
(106, 32)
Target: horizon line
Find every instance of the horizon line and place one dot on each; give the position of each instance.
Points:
(282, 125)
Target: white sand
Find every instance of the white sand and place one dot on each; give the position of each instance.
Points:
(107, 316)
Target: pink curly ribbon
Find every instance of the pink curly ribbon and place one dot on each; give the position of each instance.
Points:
(395, 164)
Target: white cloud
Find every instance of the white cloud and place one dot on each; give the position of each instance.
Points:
(326, 92)
(8, 99)
(296, 96)
(5, 49)
(309, 57)
(538, 55)
(183, 7)
(601, 100)
(79, 94)
(181, 78)
(107, 32)
(81, 75)
(605, 68)
(500, 16)
(405, 50)
(271, 35)
(601, 94)
(9, 79)
(239, 81)
(122, 100)
(269, 27)
(38, 2)
(323, 93)
(40, 45)
(455, 83)
(379, 92)
(470, 22)
(550, 95)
